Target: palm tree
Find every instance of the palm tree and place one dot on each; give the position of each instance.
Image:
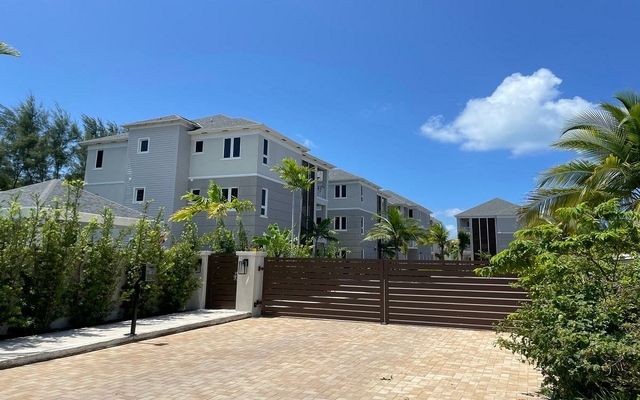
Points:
(436, 234)
(607, 140)
(5, 49)
(215, 205)
(321, 230)
(464, 240)
(396, 230)
(296, 178)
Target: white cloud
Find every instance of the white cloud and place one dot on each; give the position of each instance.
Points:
(307, 142)
(524, 114)
(450, 212)
(451, 228)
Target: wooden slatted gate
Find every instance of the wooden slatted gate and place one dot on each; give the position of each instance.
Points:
(221, 283)
(443, 293)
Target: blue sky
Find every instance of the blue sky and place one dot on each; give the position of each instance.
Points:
(449, 103)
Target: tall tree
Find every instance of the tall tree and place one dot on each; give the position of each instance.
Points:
(321, 230)
(439, 235)
(23, 136)
(5, 49)
(607, 140)
(296, 178)
(396, 230)
(464, 240)
(62, 136)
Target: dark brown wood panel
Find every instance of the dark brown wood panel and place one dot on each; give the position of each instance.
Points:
(221, 283)
(442, 293)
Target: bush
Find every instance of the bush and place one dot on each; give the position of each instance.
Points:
(582, 326)
(176, 278)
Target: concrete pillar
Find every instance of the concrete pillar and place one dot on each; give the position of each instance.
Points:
(249, 289)
(197, 300)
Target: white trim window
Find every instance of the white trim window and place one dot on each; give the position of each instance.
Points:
(361, 225)
(265, 152)
(99, 159)
(138, 195)
(411, 213)
(143, 145)
(231, 148)
(340, 223)
(195, 191)
(340, 192)
(264, 199)
(229, 191)
(361, 194)
(198, 147)
(343, 254)
(362, 253)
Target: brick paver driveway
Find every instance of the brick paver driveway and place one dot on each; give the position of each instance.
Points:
(286, 358)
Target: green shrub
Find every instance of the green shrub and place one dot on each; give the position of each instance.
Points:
(223, 241)
(97, 279)
(582, 326)
(176, 278)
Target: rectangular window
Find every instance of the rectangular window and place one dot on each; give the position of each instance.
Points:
(138, 195)
(340, 224)
(362, 253)
(263, 203)
(231, 148)
(265, 152)
(361, 194)
(99, 156)
(199, 146)
(341, 191)
(143, 145)
(229, 191)
(343, 254)
(196, 192)
(362, 225)
(410, 213)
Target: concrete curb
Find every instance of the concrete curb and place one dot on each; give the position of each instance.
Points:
(80, 349)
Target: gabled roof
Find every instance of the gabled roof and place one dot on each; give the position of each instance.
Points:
(494, 208)
(221, 121)
(162, 120)
(311, 159)
(340, 175)
(123, 137)
(89, 203)
(394, 199)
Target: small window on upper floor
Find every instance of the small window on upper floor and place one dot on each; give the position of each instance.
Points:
(138, 195)
(99, 157)
(265, 152)
(410, 213)
(361, 194)
(341, 191)
(340, 223)
(199, 146)
(231, 148)
(196, 192)
(229, 191)
(263, 203)
(143, 145)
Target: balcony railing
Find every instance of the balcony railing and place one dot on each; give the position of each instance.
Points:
(321, 192)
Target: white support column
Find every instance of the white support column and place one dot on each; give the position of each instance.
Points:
(249, 289)
(197, 300)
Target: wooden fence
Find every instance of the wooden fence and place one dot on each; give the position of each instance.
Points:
(443, 293)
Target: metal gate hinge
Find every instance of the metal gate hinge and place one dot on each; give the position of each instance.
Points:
(257, 303)
(260, 268)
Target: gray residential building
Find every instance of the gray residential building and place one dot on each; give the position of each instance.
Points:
(161, 159)
(491, 226)
(353, 203)
(413, 210)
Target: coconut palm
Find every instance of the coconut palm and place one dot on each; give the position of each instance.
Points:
(464, 240)
(439, 235)
(215, 205)
(321, 230)
(396, 230)
(607, 139)
(5, 49)
(296, 178)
